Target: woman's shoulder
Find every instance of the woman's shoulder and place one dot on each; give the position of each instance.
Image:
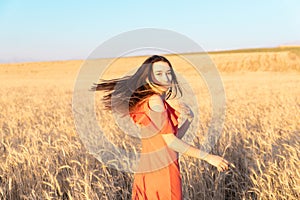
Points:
(151, 102)
(156, 103)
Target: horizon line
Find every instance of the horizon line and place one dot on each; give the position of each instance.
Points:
(238, 50)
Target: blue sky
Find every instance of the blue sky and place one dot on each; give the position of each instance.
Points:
(63, 30)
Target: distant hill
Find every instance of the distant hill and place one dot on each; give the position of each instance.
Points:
(293, 48)
(283, 58)
(279, 59)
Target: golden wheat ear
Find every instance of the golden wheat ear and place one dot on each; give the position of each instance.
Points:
(231, 165)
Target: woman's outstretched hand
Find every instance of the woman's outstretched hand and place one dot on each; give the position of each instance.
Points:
(220, 163)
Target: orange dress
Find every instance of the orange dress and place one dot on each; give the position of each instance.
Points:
(158, 174)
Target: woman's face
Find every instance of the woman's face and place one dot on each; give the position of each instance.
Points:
(161, 75)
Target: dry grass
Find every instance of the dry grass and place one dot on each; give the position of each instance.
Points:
(42, 156)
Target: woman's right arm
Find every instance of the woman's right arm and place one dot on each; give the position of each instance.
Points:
(180, 146)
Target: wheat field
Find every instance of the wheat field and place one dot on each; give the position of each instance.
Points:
(42, 156)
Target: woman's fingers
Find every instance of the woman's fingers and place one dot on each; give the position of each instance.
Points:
(221, 168)
(186, 110)
(223, 165)
(219, 162)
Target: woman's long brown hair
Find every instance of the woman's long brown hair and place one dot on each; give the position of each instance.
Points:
(123, 94)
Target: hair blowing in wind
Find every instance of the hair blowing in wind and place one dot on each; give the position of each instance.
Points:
(126, 92)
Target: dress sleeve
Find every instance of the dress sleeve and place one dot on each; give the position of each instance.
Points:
(161, 121)
(158, 119)
(153, 122)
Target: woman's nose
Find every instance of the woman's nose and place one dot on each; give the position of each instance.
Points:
(166, 78)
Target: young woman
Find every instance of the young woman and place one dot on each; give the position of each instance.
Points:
(143, 96)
